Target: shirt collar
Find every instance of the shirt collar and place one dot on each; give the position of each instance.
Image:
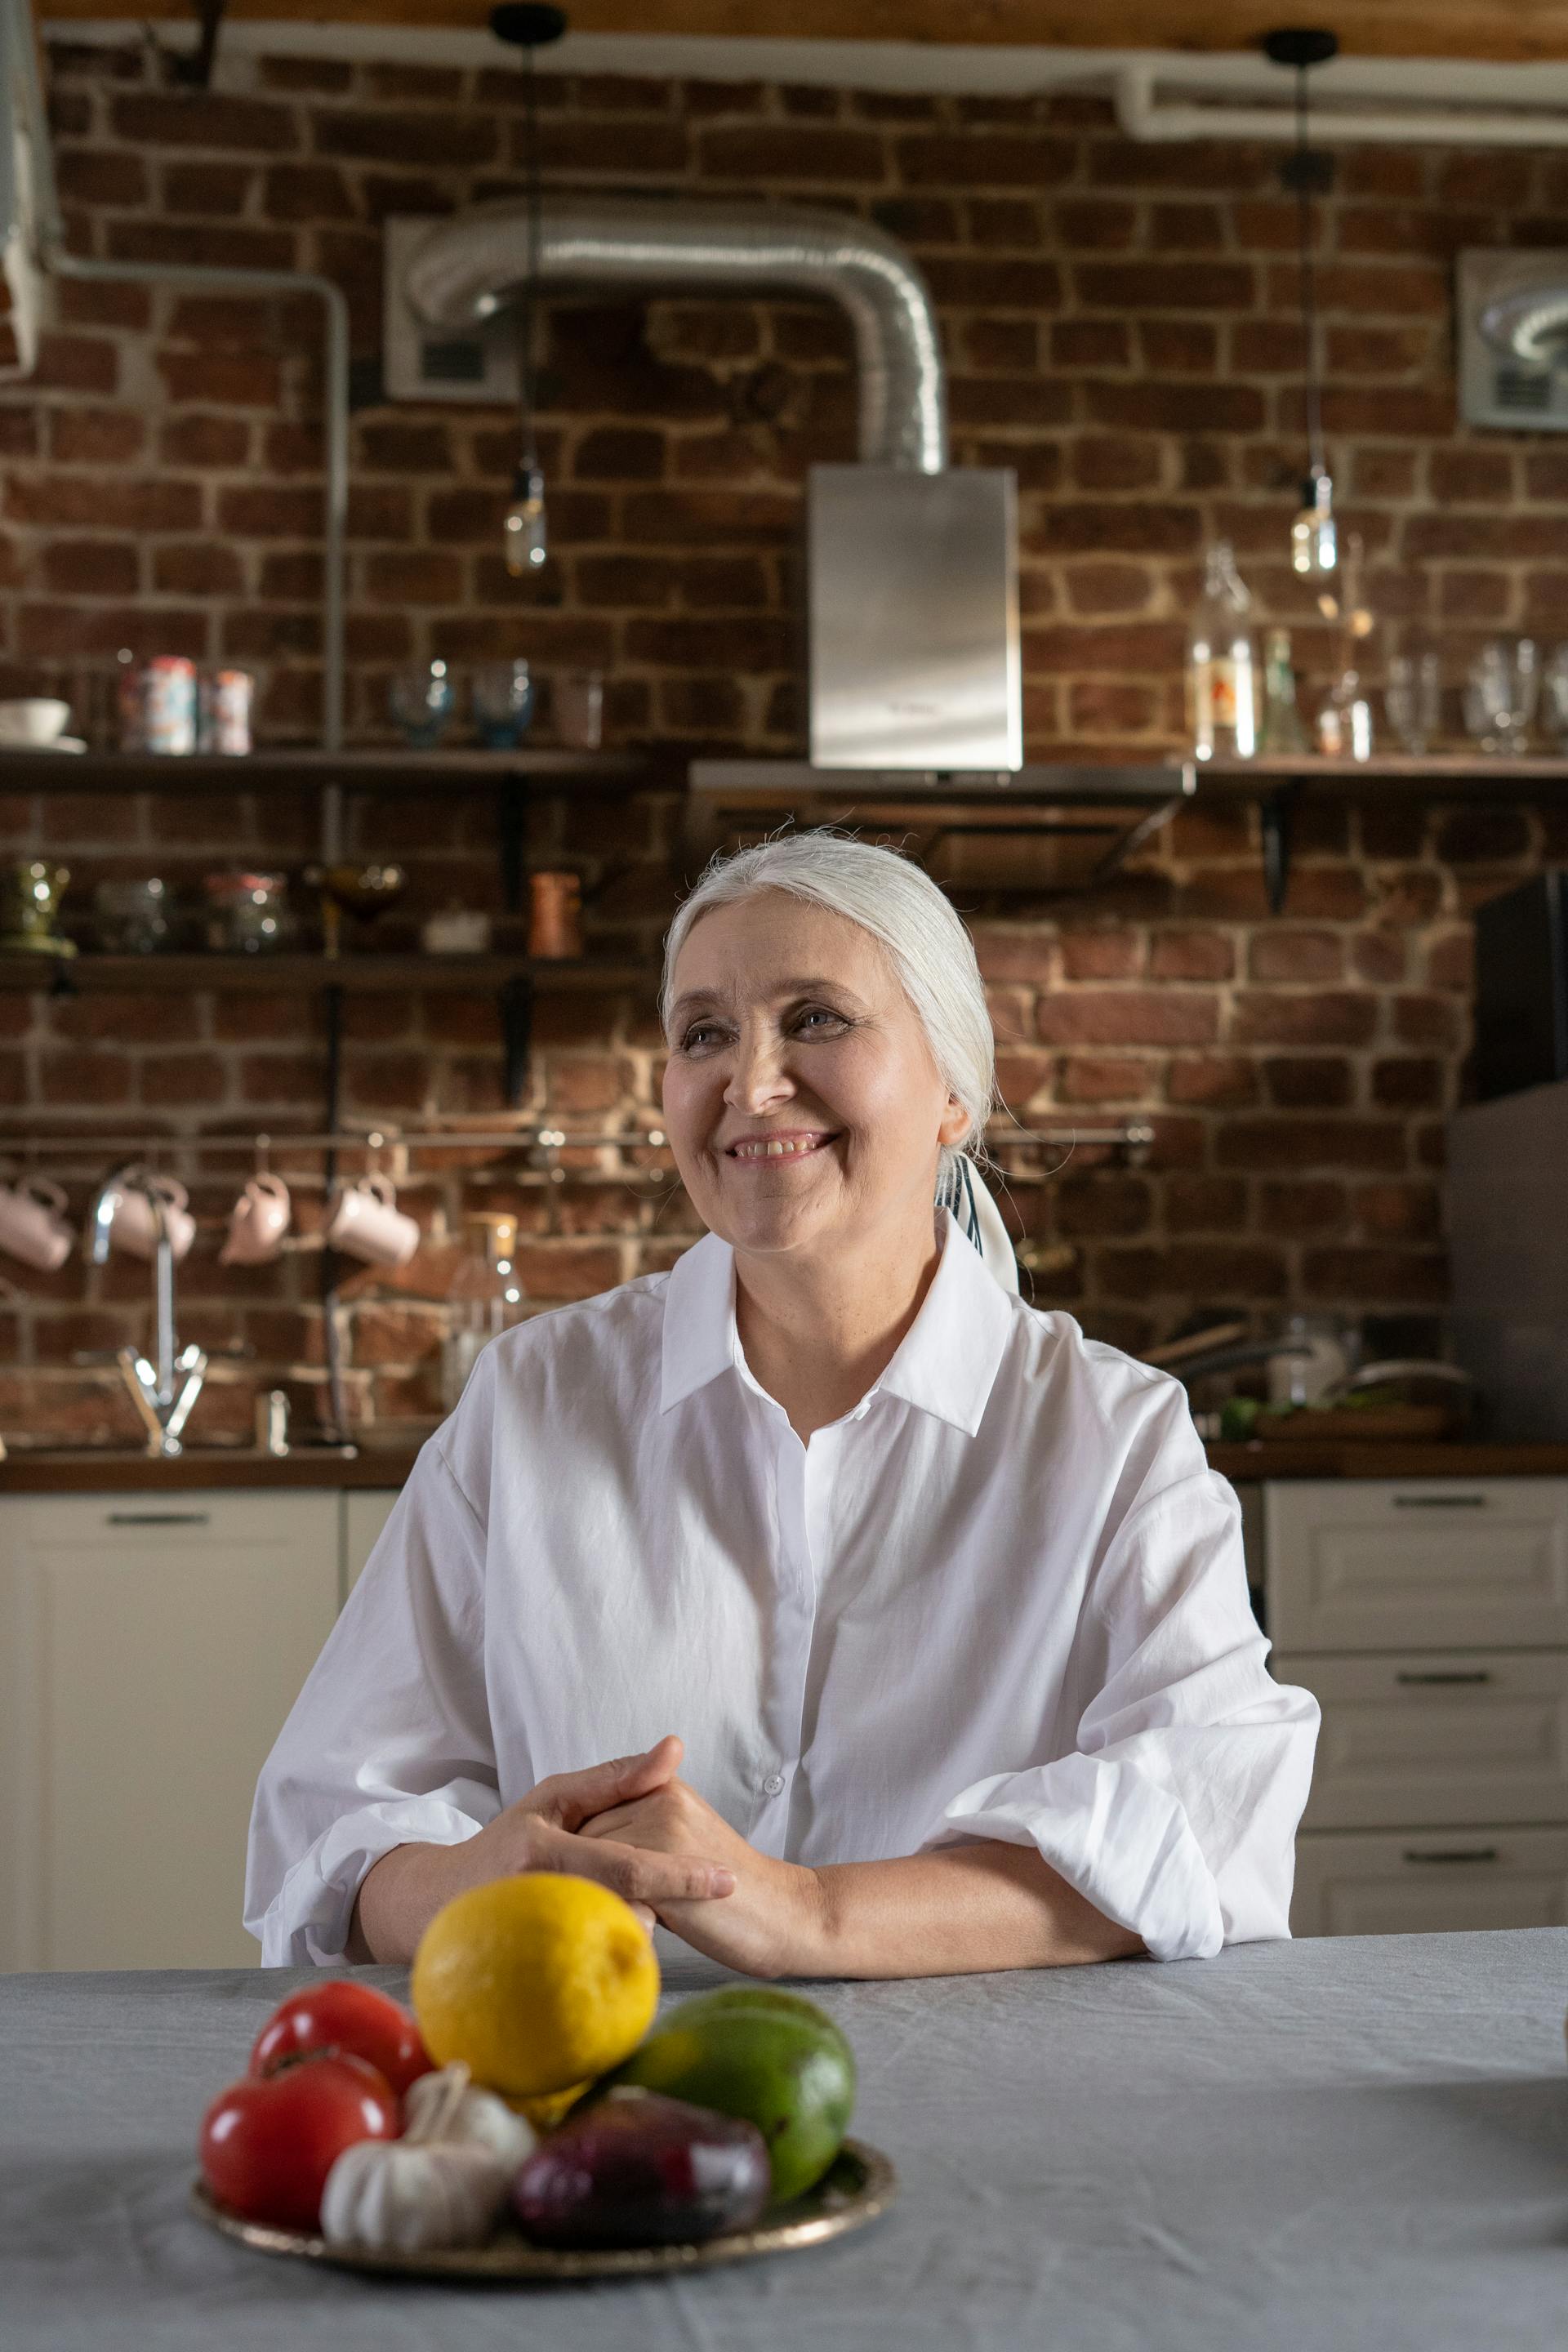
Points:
(946, 1363)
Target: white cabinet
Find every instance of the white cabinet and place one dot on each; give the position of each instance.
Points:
(150, 1649)
(366, 1511)
(1430, 1621)
(1421, 1884)
(1360, 1564)
(1421, 1738)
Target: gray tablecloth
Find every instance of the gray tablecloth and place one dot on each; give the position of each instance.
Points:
(1323, 2145)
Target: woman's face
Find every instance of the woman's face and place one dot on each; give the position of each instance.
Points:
(801, 1099)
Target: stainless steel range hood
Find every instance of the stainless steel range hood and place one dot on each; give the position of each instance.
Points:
(912, 618)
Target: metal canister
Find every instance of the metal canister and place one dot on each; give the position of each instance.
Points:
(169, 704)
(225, 718)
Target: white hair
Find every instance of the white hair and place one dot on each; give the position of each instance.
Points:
(897, 903)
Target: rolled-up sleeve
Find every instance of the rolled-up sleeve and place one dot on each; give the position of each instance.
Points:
(1176, 1814)
(389, 1742)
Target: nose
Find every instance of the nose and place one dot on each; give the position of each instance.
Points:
(758, 1078)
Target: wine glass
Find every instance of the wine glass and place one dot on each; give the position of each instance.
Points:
(1500, 696)
(364, 890)
(1413, 699)
(503, 703)
(422, 702)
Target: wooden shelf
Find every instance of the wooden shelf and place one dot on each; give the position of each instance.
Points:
(390, 771)
(300, 974)
(1439, 776)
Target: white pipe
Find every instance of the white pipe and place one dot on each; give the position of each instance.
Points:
(1141, 113)
(1443, 100)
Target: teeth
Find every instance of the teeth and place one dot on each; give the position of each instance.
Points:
(777, 1148)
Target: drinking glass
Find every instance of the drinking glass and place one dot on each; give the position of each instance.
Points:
(579, 701)
(1413, 699)
(1502, 695)
(1555, 683)
(422, 704)
(503, 703)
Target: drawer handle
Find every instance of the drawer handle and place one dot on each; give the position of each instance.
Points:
(1456, 1853)
(1439, 1502)
(1480, 1674)
(158, 1519)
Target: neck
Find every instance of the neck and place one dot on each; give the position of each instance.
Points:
(818, 1332)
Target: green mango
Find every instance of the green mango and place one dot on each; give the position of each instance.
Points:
(770, 2057)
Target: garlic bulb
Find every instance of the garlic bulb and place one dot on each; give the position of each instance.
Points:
(399, 2199)
(442, 2184)
(434, 2110)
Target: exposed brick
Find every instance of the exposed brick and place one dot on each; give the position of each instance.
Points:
(1191, 955)
(1133, 1016)
(204, 119)
(1308, 1081)
(1319, 1017)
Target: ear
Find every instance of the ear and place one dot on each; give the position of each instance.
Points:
(955, 1124)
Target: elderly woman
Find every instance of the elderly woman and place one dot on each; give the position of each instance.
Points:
(847, 1615)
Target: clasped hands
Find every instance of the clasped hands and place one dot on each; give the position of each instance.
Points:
(634, 1826)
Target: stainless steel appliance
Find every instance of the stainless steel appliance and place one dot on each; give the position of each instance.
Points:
(1507, 1241)
(912, 590)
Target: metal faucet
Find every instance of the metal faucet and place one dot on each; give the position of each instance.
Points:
(163, 1392)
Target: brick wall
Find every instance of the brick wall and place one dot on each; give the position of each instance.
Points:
(1119, 328)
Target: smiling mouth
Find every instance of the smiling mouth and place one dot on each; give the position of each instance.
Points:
(777, 1147)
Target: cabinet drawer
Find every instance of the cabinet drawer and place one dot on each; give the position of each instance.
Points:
(1434, 1564)
(1430, 1883)
(1440, 1737)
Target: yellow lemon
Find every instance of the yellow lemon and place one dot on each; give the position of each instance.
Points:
(536, 1982)
(549, 2109)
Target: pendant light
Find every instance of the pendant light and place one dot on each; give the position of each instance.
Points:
(1314, 535)
(528, 25)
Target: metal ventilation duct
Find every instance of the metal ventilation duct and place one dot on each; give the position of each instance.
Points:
(469, 267)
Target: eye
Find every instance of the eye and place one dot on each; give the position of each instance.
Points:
(821, 1013)
(695, 1037)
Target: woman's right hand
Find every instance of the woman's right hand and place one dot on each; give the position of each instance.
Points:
(403, 1892)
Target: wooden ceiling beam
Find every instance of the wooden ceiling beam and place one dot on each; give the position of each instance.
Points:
(1502, 31)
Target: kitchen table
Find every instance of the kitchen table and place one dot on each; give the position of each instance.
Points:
(1334, 2144)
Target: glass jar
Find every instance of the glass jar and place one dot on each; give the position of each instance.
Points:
(133, 918)
(246, 914)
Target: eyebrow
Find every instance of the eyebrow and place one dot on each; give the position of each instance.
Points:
(817, 985)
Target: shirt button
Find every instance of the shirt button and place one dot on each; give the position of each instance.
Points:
(774, 1784)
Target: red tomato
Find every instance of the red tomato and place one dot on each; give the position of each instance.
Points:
(268, 2142)
(341, 2015)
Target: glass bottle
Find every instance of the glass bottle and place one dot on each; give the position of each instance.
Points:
(1221, 662)
(488, 1298)
(1282, 731)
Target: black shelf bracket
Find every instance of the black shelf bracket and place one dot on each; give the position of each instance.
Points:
(1278, 811)
(517, 1037)
(511, 828)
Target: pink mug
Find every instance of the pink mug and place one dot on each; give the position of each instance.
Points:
(134, 1222)
(367, 1224)
(257, 1222)
(32, 1227)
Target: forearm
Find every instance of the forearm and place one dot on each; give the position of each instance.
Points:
(956, 1911)
(398, 1897)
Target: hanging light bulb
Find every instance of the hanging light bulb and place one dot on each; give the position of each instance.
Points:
(529, 26)
(1314, 538)
(1314, 542)
(527, 538)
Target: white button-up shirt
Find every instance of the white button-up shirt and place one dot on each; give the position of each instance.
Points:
(1003, 1598)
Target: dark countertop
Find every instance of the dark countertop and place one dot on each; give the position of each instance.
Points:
(101, 1471)
(98, 1472)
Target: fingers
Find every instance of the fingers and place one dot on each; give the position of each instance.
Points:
(570, 1798)
(643, 1916)
(637, 1873)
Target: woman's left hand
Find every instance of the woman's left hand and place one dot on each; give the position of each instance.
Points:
(769, 1926)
